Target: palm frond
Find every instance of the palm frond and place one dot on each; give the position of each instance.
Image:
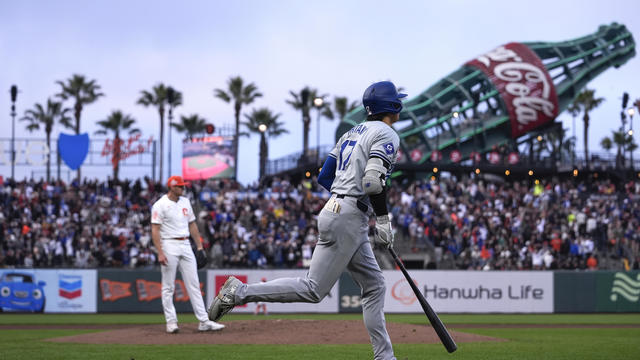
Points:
(222, 95)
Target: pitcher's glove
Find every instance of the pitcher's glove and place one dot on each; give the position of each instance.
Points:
(384, 232)
(201, 258)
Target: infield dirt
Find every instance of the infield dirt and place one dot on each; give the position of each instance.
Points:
(268, 331)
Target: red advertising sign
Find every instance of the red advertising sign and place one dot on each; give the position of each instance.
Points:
(416, 155)
(455, 156)
(524, 85)
(435, 156)
(513, 158)
(475, 156)
(121, 149)
(494, 157)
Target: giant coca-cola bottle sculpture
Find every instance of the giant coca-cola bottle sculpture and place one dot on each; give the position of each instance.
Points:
(502, 97)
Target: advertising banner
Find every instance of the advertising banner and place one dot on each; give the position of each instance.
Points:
(208, 157)
(350, 295)
(139, 291)
(524, 85)
(601, 291)
(55, 291)
(216, 278)
(472, 291)
(618, 291)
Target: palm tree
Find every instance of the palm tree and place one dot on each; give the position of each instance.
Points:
(304, 101)
(342, 107)
(83, 93)
(53, 113)
(240, 95)
(117, 122)
(272, 128)
(191, 125)
(586, 101)
(157, 98)
(606, 143)
(174, 99)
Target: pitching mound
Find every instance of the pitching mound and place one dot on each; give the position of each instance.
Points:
(268, 332)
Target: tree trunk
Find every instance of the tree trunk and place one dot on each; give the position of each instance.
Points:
(236, 138)
(161, 111)
(586, 138)
(77, 113)
(263, 155)
(306, 121)
(117, 145)
(49, 156)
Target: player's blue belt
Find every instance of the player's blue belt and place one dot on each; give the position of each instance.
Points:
(361, 204)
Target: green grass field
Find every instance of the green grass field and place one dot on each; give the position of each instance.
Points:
(521, 343)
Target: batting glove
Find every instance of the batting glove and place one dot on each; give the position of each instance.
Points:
(384, 232)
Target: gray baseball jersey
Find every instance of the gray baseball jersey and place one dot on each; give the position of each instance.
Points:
(343, 239)
(353, 150)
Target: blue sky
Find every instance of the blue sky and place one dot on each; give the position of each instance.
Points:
(339, 47)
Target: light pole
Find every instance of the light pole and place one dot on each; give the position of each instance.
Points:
(14, 97)
(318, 102)
(631, 112)
(263, 150)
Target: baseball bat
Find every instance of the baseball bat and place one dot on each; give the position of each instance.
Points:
(435, 321)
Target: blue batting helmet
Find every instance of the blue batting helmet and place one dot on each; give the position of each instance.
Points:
(382, 97)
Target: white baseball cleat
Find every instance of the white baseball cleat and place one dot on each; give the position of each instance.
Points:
(210, 326)
(172, 328)
(224, 301)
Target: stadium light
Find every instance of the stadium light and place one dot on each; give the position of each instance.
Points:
(14, 97)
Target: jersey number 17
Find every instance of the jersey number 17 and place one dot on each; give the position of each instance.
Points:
(346, 144)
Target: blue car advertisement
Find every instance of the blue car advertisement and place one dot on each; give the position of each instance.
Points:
(56, 291)
(20, 291)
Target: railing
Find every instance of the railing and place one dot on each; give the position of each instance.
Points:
(315, 158)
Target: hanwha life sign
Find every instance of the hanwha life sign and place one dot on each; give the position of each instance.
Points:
(472, 292)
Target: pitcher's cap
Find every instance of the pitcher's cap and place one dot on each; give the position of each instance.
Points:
(176, 181)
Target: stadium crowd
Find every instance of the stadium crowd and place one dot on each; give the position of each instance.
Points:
(471, 223)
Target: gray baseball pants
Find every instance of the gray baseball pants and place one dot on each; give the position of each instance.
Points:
(342, 244)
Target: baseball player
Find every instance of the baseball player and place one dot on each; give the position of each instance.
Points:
(356, 169)
(172, 221)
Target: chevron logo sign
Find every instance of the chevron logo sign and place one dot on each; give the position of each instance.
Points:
(70, 286)
(625, 287)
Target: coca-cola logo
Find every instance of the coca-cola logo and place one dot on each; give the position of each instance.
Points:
(524, 85)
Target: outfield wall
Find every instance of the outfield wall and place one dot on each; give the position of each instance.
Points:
(117, 290)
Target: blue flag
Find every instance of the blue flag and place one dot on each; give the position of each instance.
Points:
(73, 149)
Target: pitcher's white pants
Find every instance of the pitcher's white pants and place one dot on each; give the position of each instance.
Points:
(180, 255)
